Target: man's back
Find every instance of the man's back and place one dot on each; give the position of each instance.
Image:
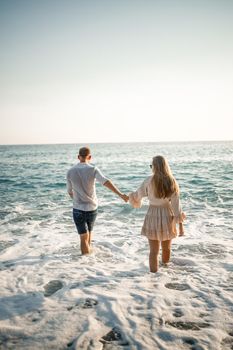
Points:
(81, 180)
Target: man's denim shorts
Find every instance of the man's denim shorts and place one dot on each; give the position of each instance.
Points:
(84, 220)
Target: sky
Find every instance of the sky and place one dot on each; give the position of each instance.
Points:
(86, 71)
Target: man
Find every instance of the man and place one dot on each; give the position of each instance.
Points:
(81, 187)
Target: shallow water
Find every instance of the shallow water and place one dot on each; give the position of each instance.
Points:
(51, 297)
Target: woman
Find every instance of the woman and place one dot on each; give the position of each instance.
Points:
(164, 211)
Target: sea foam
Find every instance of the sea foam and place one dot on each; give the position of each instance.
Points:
(52, 297)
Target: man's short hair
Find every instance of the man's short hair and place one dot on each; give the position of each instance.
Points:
(84, 152)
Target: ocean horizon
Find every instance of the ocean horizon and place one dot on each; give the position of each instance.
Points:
(114, 142)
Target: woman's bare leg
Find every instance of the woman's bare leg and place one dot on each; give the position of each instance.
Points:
(166, 251)
(154, 255)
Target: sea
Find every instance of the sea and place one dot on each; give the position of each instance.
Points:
(52, 297)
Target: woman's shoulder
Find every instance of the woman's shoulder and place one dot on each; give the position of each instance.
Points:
(174, 195)
(147, 180)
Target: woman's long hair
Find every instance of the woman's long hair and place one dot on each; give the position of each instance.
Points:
(163, 182)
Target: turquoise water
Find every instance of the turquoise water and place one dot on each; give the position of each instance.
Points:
(32, 181)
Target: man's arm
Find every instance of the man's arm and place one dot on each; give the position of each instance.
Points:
(114, 189)
(69, 188)
(71, 194)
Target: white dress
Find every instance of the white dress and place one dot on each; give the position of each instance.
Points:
(163, 213)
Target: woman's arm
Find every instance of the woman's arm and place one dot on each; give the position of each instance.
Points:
(176, 207)
(135, 198)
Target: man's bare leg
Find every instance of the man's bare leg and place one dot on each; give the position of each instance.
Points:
(84, 241)
(154, 255)
(89, 238)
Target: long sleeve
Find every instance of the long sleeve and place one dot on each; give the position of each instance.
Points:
(135, 198)
(176, 207)
(100, 177)
(68, 184)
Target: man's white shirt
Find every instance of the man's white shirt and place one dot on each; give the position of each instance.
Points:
(81, 180)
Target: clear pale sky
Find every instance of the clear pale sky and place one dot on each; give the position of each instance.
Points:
(88, 71)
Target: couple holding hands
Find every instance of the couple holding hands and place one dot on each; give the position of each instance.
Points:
(161, 189)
